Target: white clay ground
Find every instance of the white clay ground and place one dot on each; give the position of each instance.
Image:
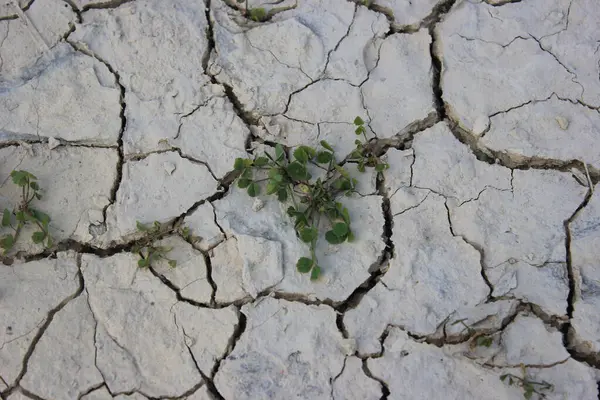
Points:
(135, 111)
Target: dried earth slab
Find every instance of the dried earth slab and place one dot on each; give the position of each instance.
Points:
(31, 293)
(76, 184)
(498, 58)
(584, 336)
(145, 339)
(288, 349)
(160, 188)
(253, 258)
(68, 96)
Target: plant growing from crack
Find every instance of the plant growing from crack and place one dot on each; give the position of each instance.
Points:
(477, 339)
(24, 214)
(313, 200)
(529, 386)
(148, 252)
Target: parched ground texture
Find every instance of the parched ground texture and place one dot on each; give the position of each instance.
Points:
(477, 253)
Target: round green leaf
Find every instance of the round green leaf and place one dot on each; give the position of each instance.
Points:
(6, 217)
(261, 161)
(297, 171)
(358, 121)
(340, 229)
(360, 130)
(38, 237)
(272, 187)
(7, 242)
(315, 273)
(308, 234)
(326, 145)
(332, 238)
(244, 183)
(239, 165)
(301, 155)
(381, 167)
(282, 195)
(324, 157)
(304, 264)
(253, 189)
(142, 262)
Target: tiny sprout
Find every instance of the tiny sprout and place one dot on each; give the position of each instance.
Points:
(313, 199)
(148, 252)
(528, 386)
(23, 214)
(258, 14)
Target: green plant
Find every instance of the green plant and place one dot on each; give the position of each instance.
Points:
(149, 253)
(313, 200)
(478, 339)
(258, 14)
(529, 386)
(23, 213)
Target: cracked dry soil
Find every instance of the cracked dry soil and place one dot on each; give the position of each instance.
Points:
(477, 252)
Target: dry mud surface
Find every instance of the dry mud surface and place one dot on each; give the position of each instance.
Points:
(477, 253)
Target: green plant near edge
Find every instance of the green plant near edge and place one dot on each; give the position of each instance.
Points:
(478, 339)
(313, 199)
(529, 386)
(24, 214)
(149, 253)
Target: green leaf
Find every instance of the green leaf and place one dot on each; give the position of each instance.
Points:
(38, 237)
(261, 161)
(346, 215)
(326, 145)
(272, 187)
(503, 377)
(304, 264)
(279, 152)
(244, 183)
(49, 241)
(484, 341)
(308, 234)
(38, 196)
(360, 130)
(7, 242)
(282, 195)
(253, 189)
(6, 217)
(351, 237)
(301, 155)
(142, 262)
(20, 216)
(258, 14)
(315, 273)
(239, 164)
(332, 238)
(275, 174)
(172, 263)
(358, 121)
(21, 178)
(34, 185)
(528, 393)
(361, 167)
(42, 217)
(324, 157)
(291, 211)
(381, 167)
(297, 171)
(340, 229)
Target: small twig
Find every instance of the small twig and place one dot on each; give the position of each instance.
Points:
(589, 179)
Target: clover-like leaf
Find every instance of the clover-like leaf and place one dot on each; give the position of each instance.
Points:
(282, 195)
(301, 155)
(279, 152)
(332, 238)
(253, 189)
(381, 167)
(275, 174)
(326, 145)
(297, 171)
(358, 121)
(239, 164)
(308, 234)
(360, 130)
(324, 157)
(244, 183)
(340, 229)
(172, 263)
(272, 187)
(143, 262)
(42, 217)
(7, 242)
(6, 217)
(304, 264)
(38, 237)
(261, 161)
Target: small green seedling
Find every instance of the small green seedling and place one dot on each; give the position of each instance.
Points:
(258, 14)
(149, 253)
(362, 156)
(24, 214)
(478, 339)
(529, 386)
(312, 200)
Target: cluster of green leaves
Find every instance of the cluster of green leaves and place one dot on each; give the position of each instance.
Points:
(24, 214)
(313, 200)
(529, 386)
(478, 339)
(149, 253)
(257, 14)
(362, 156)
